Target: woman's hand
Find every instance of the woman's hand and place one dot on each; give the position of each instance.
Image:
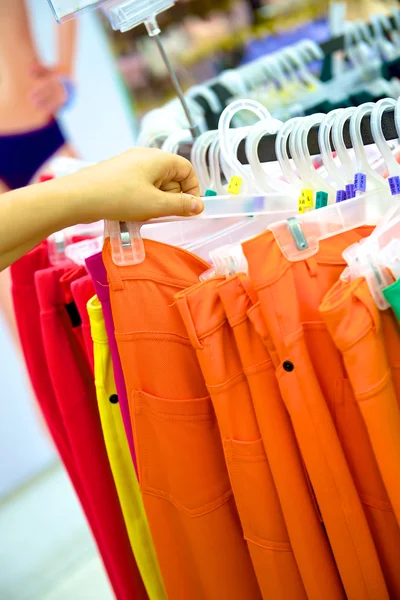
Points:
(138, 185)
(48, 93)
(141, 184)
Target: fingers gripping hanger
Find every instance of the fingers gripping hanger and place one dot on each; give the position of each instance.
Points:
(126, 243)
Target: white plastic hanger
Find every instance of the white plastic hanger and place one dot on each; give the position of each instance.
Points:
(341, 150)
(377, 258)
(298, 145)
(264, 182)
(58, 242)
(198, 157)
(299, 238)
(208, 94)
(373, 181)
(380, 26)
(324, 137)
(175, 139)
(282, 155)
(384, 148)
(225, 133)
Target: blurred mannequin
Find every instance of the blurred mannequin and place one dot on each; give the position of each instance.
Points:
(31, 95)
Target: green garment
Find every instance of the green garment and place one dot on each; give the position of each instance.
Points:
(392, 295)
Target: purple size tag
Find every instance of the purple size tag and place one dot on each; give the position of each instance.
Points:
(350, 191)
(360, 182)
(394, 184)
(340, 196)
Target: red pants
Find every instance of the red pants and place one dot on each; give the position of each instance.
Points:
(27, 312)
(74, 389)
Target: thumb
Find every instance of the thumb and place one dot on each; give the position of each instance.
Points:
(178, 204)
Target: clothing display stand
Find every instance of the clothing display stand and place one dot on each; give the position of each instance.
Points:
(266, 147)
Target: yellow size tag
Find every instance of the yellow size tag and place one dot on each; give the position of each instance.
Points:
(308, 197)
(301, 205)
(235, 184)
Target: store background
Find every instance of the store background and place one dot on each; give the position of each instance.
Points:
(46, 551)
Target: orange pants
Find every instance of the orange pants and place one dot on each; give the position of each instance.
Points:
(252, 484)
(313, 386)
(309, 542)
(183, 477)
(354, 323)
(391, 334)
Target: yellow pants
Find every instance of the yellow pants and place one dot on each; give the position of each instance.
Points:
(120, 459)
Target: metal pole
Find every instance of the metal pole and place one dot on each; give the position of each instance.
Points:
(154, 31)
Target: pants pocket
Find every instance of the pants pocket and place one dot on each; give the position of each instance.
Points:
(262, 520)
(180, 453)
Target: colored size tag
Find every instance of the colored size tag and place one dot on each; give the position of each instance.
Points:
(308, 196)
(350, 191)
(340, 196)
(235, 184)
(394, 184)
(360, 182)
(210, 193)
(302, 205)
(321, 199)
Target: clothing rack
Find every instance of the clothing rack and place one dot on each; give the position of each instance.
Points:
(337, 43)
(266, 147)
(329, 47)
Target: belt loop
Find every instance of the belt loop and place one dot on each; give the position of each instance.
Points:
(184, 309)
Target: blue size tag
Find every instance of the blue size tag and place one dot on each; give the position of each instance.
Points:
(350, 191)
(360, 182)
(340, 196)
(394, 184)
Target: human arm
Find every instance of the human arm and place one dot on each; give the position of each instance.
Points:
(135, 186)
(52, 86)
(66, 47)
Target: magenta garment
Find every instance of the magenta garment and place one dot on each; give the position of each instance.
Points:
(98, 274)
